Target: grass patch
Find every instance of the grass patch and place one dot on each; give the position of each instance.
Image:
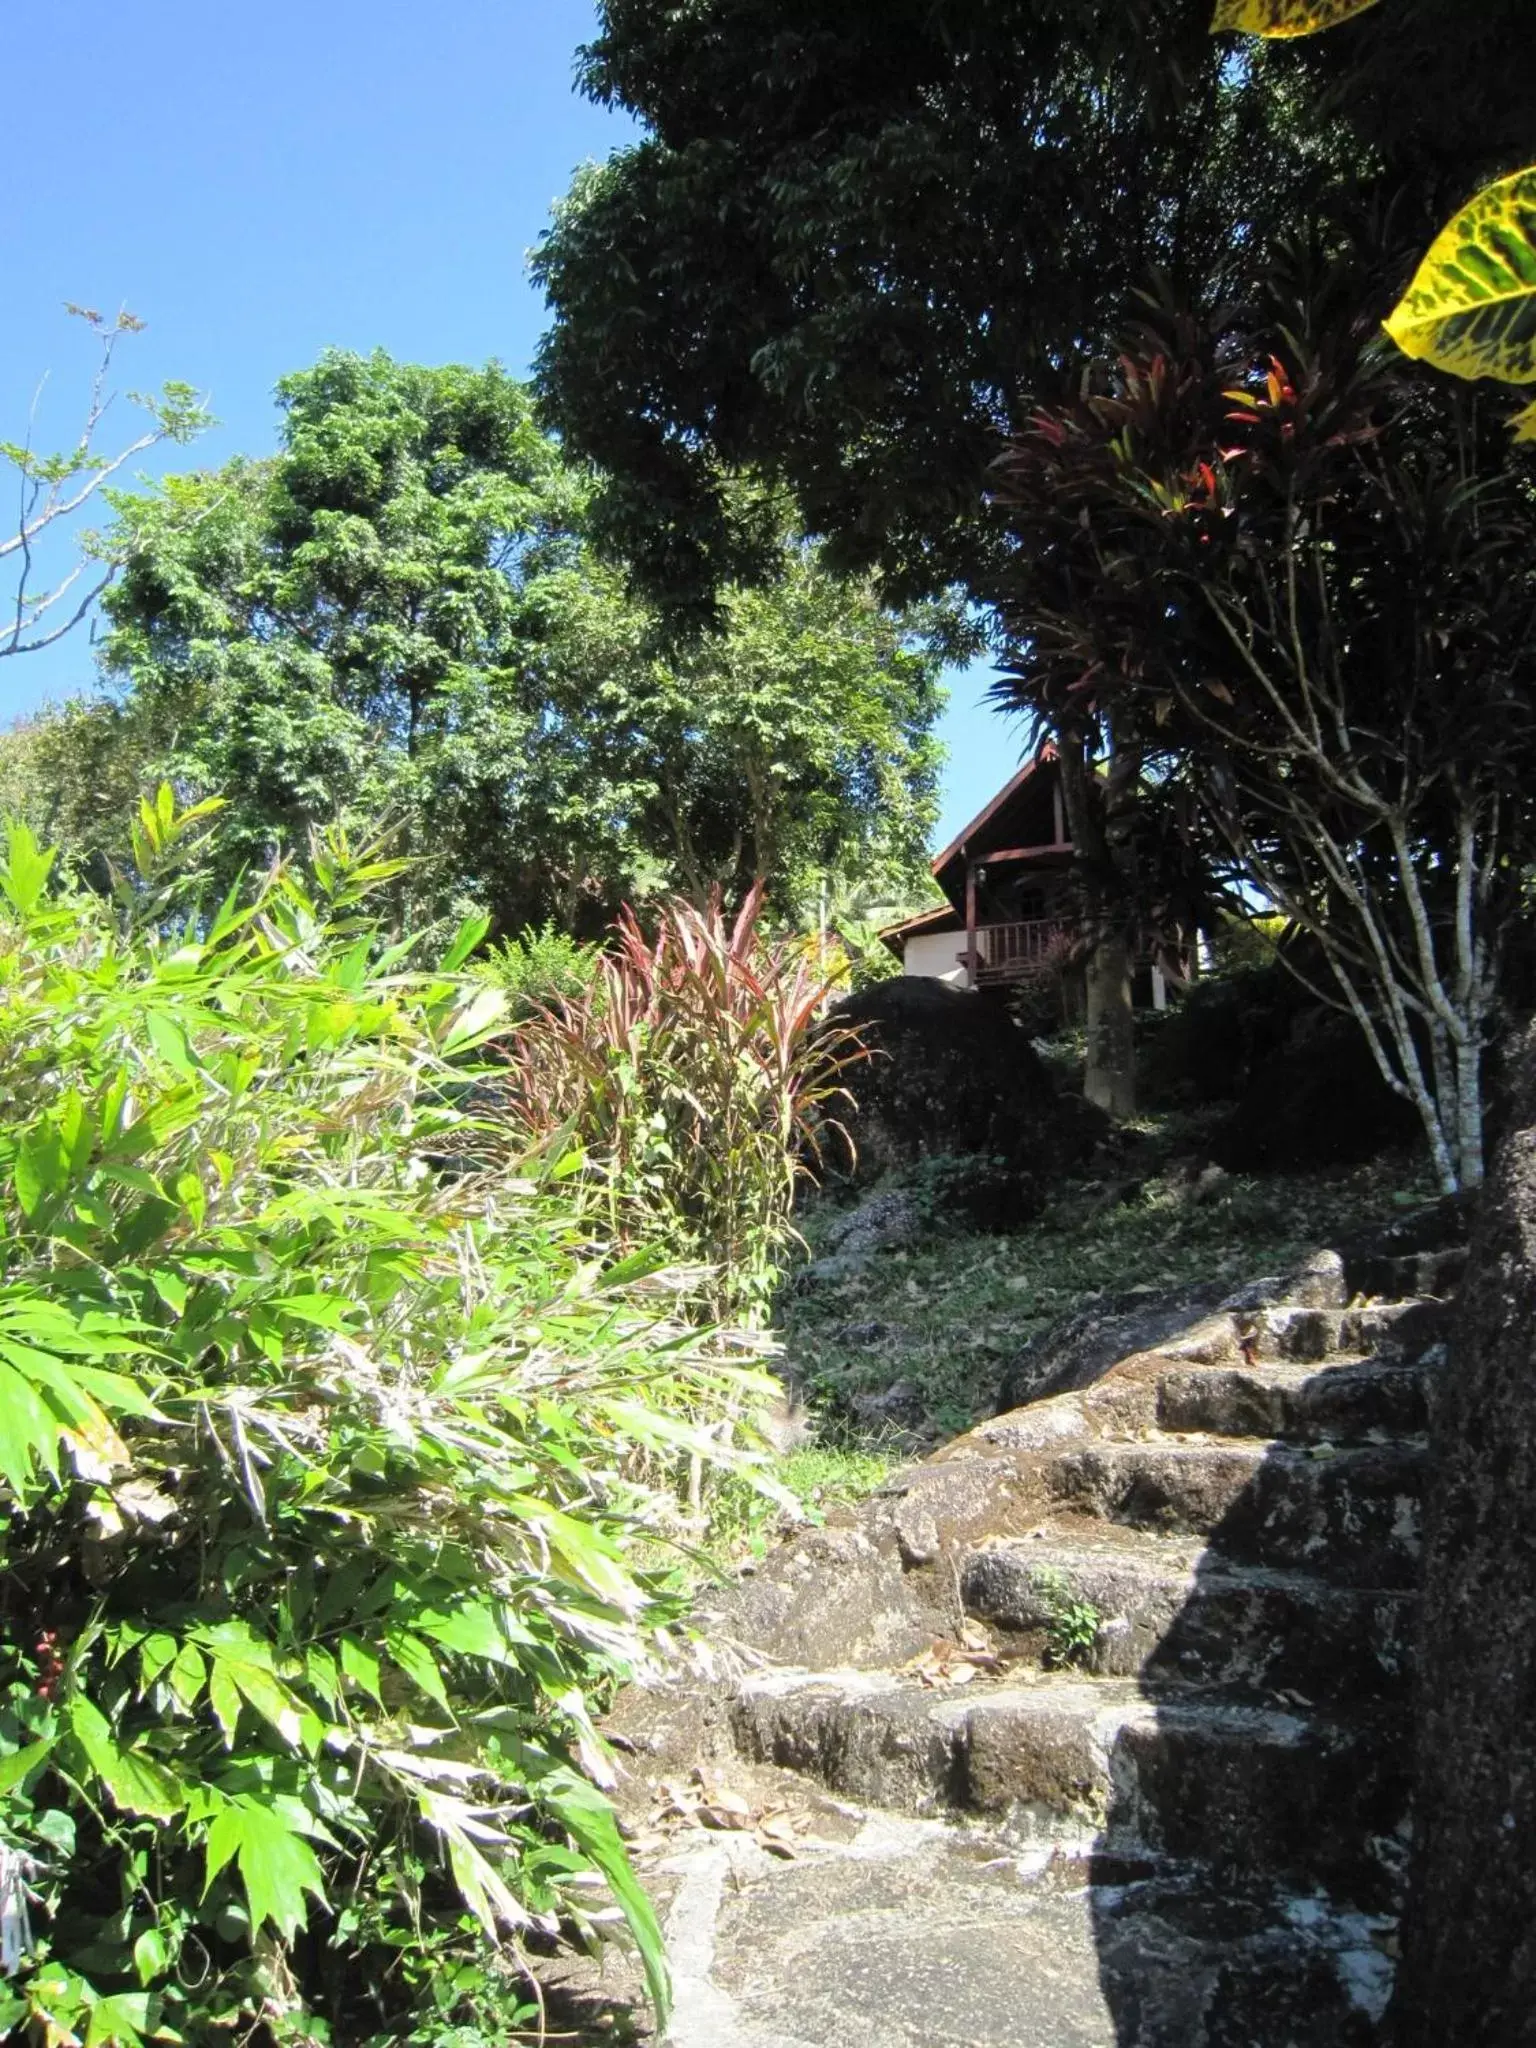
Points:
(948, 1314)
(823, 1477)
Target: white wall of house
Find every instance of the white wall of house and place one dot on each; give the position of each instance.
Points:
(933, 954)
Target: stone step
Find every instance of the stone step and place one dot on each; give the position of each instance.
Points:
(1394, 1276)
(1168, 1613)
(1353, 1401)
(1354, 1515)
(1402, 1328)
(922, 1934)
(1238, 1786)
(1190, 1960)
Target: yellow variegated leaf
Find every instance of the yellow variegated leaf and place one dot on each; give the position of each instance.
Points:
(1471, 308)
(1523, 425)
(1284, 17)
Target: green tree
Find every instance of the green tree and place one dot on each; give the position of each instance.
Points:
(1302, 572)
(849, 244)
(399, 618)
(319, 634)
(849, 238)
(852, 250)
(793, 741)
(73, 773)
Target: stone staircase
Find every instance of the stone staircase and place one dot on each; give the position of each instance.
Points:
(1097, 1718)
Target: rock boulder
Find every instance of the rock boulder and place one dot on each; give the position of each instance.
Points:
(1079, 1349)
(1074, 1351)
(949, 1072)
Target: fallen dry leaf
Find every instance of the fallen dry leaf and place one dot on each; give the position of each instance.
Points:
(705, 1802)
(950, 1663)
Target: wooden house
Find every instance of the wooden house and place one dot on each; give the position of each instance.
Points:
(1009, 915)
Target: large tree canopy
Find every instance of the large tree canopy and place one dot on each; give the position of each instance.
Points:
(849, 235)
(398, 619)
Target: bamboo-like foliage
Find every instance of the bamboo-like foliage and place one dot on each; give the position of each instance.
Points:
(698, 1080)
(320, 1420)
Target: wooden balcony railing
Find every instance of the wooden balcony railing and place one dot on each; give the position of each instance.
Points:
(1013, 952)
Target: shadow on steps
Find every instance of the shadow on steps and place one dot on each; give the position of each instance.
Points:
(1245, 1882)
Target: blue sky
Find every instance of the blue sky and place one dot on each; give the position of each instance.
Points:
(259, 183)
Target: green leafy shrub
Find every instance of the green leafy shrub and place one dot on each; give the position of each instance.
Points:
(541, 965)
(1246, 944)
(866, 957)
(1223, 1033)
(323, 1438)
(695, 1079)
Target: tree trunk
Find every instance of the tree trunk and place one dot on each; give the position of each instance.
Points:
(1110, 1077)
(1101, 839)
(1469, 1109)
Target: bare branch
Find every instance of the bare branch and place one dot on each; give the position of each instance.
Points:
(52, 489)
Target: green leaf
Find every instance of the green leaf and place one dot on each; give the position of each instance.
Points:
(171, 1288)
(343, 1592)
(56, 1827)
(28, 1181)
(188, 1675)
(325, 1311)
(20, 1762)
(137, 1783)
(151, 1958)
(24, 871)
(117, 2022)
(588, 1818)
(479, 1019)
(418, 1664)
(277, 1867)
(1471, 308)
(361, 1667)
(472, 1630)
(483, 1888)
(171, 1042)
(1281, 18)
(28, 1433)
(138, 1178)
(224, 1698)
(321, 1674)
(241, 1662)
(465, 940)
(583, 1554)
(156, 1653)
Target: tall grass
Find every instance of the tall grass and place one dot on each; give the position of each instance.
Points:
(701, 1084)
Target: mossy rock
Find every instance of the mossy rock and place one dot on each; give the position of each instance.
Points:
(950, 1073)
